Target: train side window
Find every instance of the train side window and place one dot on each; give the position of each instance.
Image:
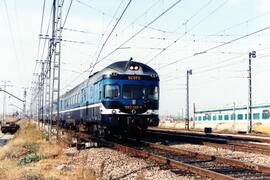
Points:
(99, 90)
(200, 118)
(111, 91)
(226, 117)
(240, 116)
(232, 116)
(214, 118)
(219, 117)
(265, 114)
(256, 115)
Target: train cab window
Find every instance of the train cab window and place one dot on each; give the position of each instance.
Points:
(152, 93)
(133, 92)
(111, 91)
(265, 114)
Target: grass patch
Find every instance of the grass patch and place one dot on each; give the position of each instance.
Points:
(30, 156)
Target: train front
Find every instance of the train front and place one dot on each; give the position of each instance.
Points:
(131, 97)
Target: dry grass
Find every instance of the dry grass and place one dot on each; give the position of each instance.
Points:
(53, 163)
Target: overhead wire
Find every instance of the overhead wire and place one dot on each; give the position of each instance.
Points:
(215, 47)
(231, 41)
(106, 14)
(12, 39)
(41, 27)
(65, 20)
(185, 23)
(103, 45)
(138, 17)
(134, 35)
(138, 32)
(102, 35)
(241, 23)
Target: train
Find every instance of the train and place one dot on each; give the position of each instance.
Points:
(234, 119)
(122, 98)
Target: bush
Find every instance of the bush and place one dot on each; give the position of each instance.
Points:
(29, 159)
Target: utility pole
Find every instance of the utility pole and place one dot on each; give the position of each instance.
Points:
(24, 103)
(194, 115)
(234, 116)
(39, 99)
(189, 72)
(249, 118)
(5, 85)
(41, 92)
(56, 50)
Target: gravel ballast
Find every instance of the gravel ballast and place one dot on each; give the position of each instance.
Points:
(111, 164)
(238, 155)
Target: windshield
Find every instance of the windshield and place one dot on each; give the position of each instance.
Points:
(111, 91)
(153, 93)
(133, 92)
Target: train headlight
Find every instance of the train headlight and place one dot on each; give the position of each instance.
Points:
(134, 68)
(113, 111)
(131, 68)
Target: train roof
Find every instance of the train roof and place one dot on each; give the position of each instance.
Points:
(232, 109)
(119, 67)
(123, 67)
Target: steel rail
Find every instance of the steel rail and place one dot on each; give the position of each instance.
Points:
(249, 137)
(234, 145)
(172, 163)
(232, 162)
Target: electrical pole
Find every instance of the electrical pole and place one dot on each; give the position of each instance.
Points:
(234, 116)
(24, 103)
(56, 55)
(189, 72)
(249, 118)
(5, 85)
(194, 111)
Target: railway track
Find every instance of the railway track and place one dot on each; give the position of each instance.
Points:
(186, 161)
(217, 142)
(239, 137)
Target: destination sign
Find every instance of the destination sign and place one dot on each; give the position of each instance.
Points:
(134, 78)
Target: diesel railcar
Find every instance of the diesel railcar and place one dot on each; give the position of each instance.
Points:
(121, 98)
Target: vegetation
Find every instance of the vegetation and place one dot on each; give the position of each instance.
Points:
(30, 156)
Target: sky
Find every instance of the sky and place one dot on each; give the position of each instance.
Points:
(193, 35)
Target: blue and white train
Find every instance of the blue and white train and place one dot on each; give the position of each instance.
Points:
(121, 98)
